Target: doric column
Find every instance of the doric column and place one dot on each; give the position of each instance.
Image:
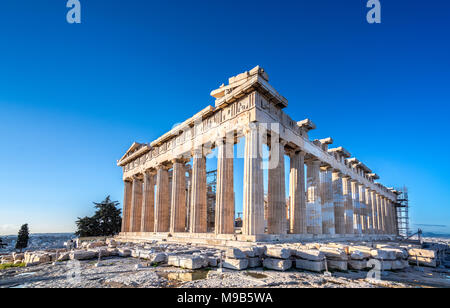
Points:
(393, 217)
(136, 205)
(224, 219)
(373, 196)
(314, 204)
(326, 196)
(170, 195)
(394, 210)
(198, 199)
(380, 214)
(253, 220)
(276, 194)
(188, 198)
(126, 206)
(297, 200)
(178, 200)
(369, 211)
(363, 208)
(348, 204)
(387, 217)
(162, 218)
(339, 202)
(148, 203)
(356, 207)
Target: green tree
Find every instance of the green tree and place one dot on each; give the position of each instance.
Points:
(22, 238)
(106, 221)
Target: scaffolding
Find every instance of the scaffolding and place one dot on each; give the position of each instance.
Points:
(402, 212)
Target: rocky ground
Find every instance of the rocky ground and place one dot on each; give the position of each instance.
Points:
(162, 265)
(119, 272)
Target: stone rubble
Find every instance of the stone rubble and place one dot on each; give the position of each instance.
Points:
(314, 257)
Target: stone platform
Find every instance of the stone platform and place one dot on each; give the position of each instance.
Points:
(239, 240)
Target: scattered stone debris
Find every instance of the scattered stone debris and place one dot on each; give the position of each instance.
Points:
(344, 260)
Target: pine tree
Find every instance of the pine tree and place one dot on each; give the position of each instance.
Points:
(106, 221)
(22, 238)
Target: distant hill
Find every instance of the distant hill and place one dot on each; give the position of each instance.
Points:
(437, 235)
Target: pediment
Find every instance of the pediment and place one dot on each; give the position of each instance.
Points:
(136, 149)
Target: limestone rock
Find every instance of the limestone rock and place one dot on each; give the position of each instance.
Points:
(83, 255)
(422, 261)
(95, 244)
(249, 253)
(277, 264)
(157, 258)
(313, 266)
(311, 255)
(212, 261)
(259, 250)
(235, 253)
(359, 255)
(35, 258)
(384, 254)
(254, 262)
(18, 256)
(64, 256)
(337, 265)
(357, 264)
(334, 253)
(186, 261)
(124, 252)
(235, 264)
(7, 259)
(386, 265)
(278, 252)
(425, 253)
(399, 264)
(111, 243)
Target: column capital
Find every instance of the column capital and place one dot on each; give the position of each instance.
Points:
(151, 171)
(163, 167)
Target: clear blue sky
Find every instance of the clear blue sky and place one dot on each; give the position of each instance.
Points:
(74, 97)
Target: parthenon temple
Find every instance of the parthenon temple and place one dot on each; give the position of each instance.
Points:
(329, 194)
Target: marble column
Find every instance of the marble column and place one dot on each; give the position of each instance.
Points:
(148, 203)
(348, 205)
(253, 203)
(363, 208)
(178, 200)
(276, 195)
(369, 211)
(198, 215)
(356, 207)
(297, 199)
(136, 205)
(188, 198)
(380, 214)
(314, 203)
(326, 196)
(373, 196)
(224, 219)
(126, 206)
(388, 216)
(162, 206)
(394, 213)
(338, 202)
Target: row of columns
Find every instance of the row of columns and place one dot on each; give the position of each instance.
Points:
(331, 204)
(166, 210)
